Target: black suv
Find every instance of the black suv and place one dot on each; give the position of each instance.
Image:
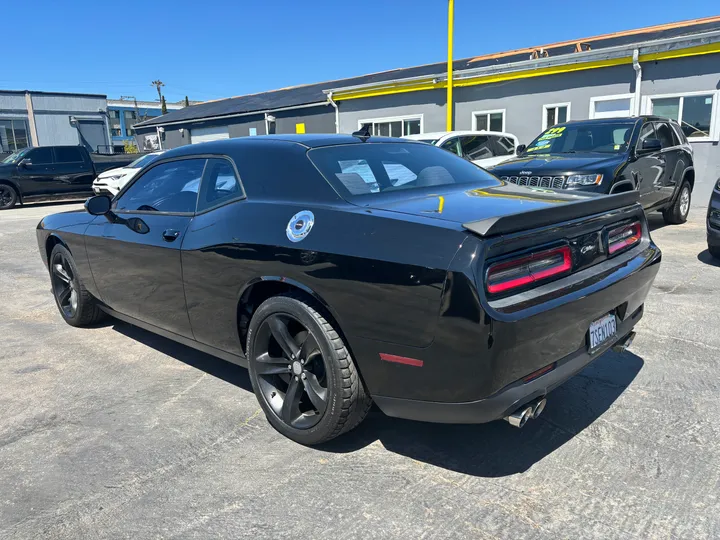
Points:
(648, 154)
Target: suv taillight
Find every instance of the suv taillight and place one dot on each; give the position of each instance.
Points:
(529, 269)
(622, 238)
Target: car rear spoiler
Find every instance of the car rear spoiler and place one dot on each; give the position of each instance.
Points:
(553, 214)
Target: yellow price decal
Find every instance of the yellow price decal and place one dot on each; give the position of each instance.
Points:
(538, 148)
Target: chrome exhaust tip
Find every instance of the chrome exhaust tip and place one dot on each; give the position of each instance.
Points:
(622, 346)
(520, 417)
(539, 407)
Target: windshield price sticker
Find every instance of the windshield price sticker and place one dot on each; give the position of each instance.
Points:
(552, 133)
(538, 148)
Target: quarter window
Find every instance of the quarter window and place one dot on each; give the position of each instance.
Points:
(489, 121)
(693, 113)
(168, 187)
(219, 184)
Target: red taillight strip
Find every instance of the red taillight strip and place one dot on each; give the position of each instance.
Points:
(634, 238)
(531, 277)
(535, 374)
(401, 360)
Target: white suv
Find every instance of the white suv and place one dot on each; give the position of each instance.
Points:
(112, 181)
(484, 148)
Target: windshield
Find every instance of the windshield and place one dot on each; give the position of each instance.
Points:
(604, 138)
(142, 161)
(364, 170)
(15, 157)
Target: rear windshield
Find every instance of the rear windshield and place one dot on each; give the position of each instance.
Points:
(365, 170)
(575, 138)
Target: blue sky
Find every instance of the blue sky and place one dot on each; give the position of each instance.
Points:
(215, 49)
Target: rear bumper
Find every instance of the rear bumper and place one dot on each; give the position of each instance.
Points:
(507, 400)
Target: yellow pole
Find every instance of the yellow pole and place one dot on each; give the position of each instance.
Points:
(451, 10)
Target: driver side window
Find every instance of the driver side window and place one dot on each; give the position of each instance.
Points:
(168, 187)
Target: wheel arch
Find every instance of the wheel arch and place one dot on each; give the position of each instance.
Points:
(256, 291)
(689, 175)
(50, 243)
(13, 185)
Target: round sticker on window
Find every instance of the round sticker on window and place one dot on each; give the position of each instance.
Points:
(299, 226)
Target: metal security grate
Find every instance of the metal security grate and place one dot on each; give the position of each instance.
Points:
(555, 182)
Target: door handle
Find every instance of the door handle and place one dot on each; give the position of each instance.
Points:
(169, 235)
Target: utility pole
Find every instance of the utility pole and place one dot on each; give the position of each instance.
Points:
(451, 16)
(159, 84)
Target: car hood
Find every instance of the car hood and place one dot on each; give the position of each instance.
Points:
(539, 165)
(473, 204)
(6, 169)
(120, 171)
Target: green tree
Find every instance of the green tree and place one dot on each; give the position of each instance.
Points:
(163, 105)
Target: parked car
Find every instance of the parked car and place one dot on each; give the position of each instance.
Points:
(454, 297)
(52, 172)
(111, 181)
(713, 222)
(647, 154)
(484, 148)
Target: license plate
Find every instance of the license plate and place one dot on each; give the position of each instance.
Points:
(602, 330)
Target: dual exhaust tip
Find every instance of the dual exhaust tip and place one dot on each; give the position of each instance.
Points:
(530, 411)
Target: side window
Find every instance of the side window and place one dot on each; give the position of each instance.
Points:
(679, 134)
(40, 156)
(647, 132)
(664, 133)
(477, 147)
(219, 184)
(503, 146)
(168, 187)
(451, 145)
(68, 154)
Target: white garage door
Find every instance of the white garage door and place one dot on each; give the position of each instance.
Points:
(198, 135)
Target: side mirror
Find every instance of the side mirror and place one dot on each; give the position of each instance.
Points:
(25, 163)
(520, 148)
(650, 145)
(98, 205)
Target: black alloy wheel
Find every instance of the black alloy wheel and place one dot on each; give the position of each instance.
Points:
(64, 283)
(291, 371)
(302, 372)
(8, 197)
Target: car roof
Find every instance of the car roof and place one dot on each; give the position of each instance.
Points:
(441, 134)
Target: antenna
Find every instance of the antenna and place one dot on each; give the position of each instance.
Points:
(363, 133)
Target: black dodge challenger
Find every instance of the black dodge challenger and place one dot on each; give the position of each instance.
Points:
(345, 269)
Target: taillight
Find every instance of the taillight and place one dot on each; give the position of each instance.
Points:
(621, 238)
(528, 269)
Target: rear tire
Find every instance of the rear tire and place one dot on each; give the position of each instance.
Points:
(8, 197)
(294, 351)
(678, 211)
(77, 306)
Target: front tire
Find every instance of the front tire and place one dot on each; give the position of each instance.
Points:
(8, 197)
(678, 212)
(302, 373)
(76, 304)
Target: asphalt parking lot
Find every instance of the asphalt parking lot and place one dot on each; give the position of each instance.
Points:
(113, 432)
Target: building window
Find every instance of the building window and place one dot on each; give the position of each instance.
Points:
(619, 106)
(489, 120)
(558, 113)
(14, 135)
(695, 112)
(394, 127)
(130, 121)
(113, 114)
(116, 131)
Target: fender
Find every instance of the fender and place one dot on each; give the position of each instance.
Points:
(679, 184)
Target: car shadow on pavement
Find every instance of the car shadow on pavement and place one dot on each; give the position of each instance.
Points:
(211, 365)
(497, 449)
(705, 257)
(655, 221)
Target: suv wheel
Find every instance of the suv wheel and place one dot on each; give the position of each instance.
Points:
(678, 212)
(302, 373)
(8, 197)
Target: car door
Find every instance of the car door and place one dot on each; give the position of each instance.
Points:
(674, 165)
(73, 169)
(36, 173)
(478, 149)
(648, 169)
(134, 253)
